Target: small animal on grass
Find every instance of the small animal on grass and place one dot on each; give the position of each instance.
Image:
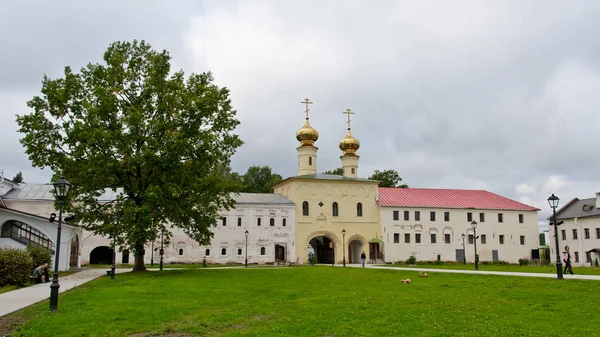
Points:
(405, 281)
(422, 274)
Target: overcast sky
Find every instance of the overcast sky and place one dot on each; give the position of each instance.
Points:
(495, 95)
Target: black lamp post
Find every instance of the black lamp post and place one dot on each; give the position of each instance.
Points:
(246, 247)
(553, 202)
(344, 245)
(464, 250)
(162, 251)
(61, 190)
(115, 223)
(474, 226)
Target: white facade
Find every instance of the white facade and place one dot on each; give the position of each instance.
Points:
(441, 238)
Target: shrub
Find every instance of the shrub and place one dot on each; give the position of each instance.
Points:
(411, 260)
(15, 267)
(596, 262)
(523, 262)
(501, 262)
(39, 256)
(536, 262)
(439, 262)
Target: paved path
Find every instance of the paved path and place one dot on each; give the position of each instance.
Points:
(18, 299)
(457, 271)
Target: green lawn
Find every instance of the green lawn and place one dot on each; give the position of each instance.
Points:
(318, 301)
(500, 267)
(165, 266)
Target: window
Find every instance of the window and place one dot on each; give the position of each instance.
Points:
(574, 233)
(418, 238)
(180, 251)
(520, 218)
(223, 251)
(283, 222)
(263, 251)
(334, 209)
(586, 232)
(359, 209)
(597, 233)
(481, 217)
(432, 216)
(447, 238)
(224, 220)
(470, 239)
(563, 234)
(433, 238)
(500, 217)
(207, 252)
(501, 239)
(353, 170)
(588, 257)
(239, 222)
(406, 215)
(258, 221)
(239, 251)
(407, 238)
(576, 256)
(417, 216)
(396, 215)
(396, 238)
(522, 239)
(309, 161)
(483, 239)
(446, 216)
(272, 222)
(469, 217)
(305, 208)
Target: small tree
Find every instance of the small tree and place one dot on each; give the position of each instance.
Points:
(338, 171)
(18, 178)
(388, 178)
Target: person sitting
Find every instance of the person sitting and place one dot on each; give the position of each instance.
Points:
(41, 273)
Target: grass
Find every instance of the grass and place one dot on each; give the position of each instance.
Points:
(551, 269)
(317, 301)
(5, 289)
(166, 265)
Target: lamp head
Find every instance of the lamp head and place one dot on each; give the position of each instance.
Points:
(115, 219)
(343, 232)
(474, 224)
(553, 201)
(61, 187)
(246, 233)
(463, 236)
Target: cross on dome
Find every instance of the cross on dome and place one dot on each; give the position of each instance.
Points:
(307, 102)
(348, 112)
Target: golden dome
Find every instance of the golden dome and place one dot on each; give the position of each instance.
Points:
(307, 135)
(349, 144)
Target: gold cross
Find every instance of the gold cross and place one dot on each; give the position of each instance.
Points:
(348, 112)
(307, 102)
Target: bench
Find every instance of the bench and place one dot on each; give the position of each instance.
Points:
(34, 280)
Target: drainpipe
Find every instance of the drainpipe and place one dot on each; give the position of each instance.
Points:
(581, 255)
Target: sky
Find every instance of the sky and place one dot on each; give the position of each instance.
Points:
(495, 95)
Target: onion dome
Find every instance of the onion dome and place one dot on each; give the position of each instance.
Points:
(307, 135)
(349, 145)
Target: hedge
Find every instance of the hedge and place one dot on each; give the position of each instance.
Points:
(39, 255)
(15, 267)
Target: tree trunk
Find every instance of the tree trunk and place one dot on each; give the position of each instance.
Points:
(138, 264)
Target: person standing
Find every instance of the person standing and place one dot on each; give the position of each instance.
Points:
(363, 257)
(567, 261)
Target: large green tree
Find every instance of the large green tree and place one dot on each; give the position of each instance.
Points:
(388, 178)
(260, 179)
(158, 140)
(338, 171)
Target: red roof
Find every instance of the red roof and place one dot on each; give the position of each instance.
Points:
(447, 198)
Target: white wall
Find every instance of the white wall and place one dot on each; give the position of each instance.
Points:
(579, 245)
(511, 250)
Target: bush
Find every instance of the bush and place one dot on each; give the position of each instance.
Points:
(523, 262)
(501, 263)
(411, 260)
(39, 256)
(15, 267)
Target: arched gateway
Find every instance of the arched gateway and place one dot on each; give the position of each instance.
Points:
(324, 249)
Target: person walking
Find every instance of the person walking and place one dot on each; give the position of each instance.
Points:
(363, 257)
(567, 261)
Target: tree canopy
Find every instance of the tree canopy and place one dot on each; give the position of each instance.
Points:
(130, 125)
(18, 178)
(338, 171)
(260, 179)
(388, 178)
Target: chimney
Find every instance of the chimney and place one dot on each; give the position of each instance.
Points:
(598, 200)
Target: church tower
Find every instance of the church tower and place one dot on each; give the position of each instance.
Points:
(307, 151)
(349, 145)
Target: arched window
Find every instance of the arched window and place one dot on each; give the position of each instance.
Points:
(239, 222)
(263, 251)
(272, 222)
(207, 252)
(359, 209)
(224, 219)
(180, 251)
(239, 251)
(258, 222)
(305, 208)
(334, 209)
(223, 251)
(283, 222)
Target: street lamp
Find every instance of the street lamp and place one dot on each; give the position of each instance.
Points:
(474, 226)
(115, 223)
(61, 190)
(162, 251)
(344, 245)
(464, 250)
(553, 202)
(246, 247)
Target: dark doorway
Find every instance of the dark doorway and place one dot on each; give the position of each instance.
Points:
(460, 255)
(495, 255)
(101, 255)
(125, 258)
(374, 252)
(74, 260)
(279, 253)
(323, 249)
